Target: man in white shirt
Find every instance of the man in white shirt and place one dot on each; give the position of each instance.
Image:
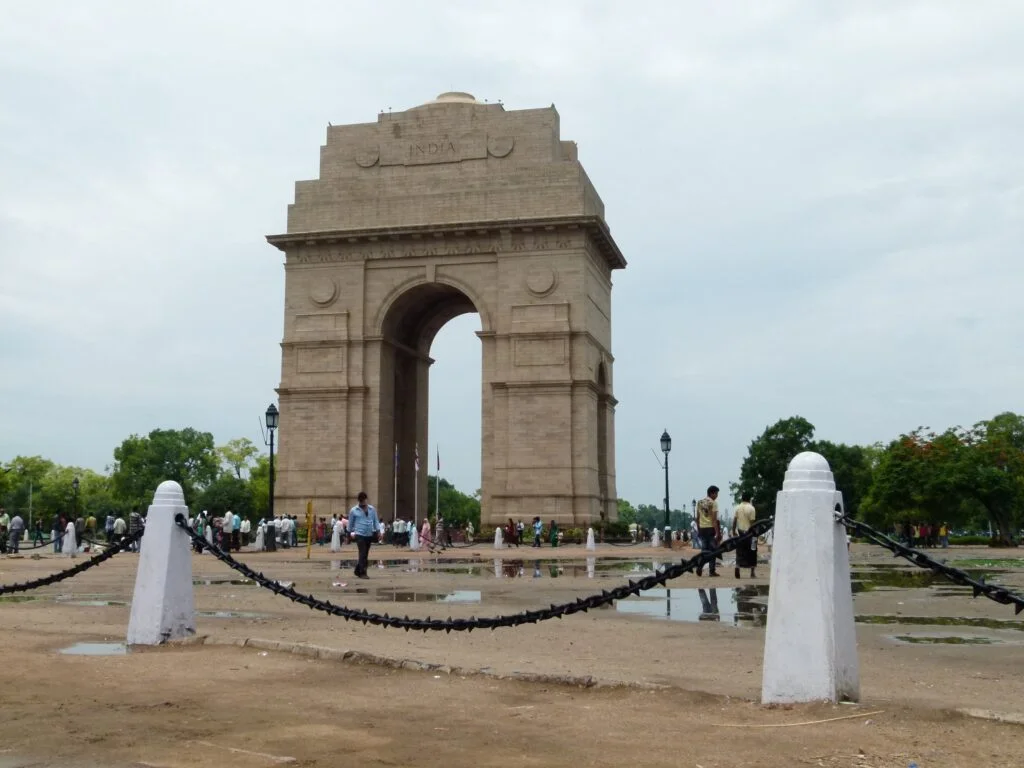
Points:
(226, 523)
(245, 528)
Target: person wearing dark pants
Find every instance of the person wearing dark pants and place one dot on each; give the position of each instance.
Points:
(363, 525)
(708, 526)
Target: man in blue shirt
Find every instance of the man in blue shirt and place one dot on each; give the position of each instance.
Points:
(363, 525)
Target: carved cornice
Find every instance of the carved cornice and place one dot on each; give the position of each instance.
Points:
(466, 238)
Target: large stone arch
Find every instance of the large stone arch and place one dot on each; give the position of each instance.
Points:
(451, 207)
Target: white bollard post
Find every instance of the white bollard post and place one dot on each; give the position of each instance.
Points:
(591, 543)
(162, 605)
(414, 542)
(655, 538)
(810, 647)
(499, 542)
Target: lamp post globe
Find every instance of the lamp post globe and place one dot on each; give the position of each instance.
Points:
(666, 446)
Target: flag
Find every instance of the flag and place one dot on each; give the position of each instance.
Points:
(416, 460)
(439, 461)
(396, 457)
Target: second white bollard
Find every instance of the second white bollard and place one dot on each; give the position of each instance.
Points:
(499, 542)
(162, 605)
(810, 648)
(591, 543)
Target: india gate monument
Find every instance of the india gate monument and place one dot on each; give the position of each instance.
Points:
(451, 207)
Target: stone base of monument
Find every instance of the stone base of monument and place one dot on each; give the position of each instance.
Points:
(810, 649)
(162, 604)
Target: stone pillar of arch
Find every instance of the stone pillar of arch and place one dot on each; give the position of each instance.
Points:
(447, 208)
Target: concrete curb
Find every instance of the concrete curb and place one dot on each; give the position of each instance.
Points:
(412, 665)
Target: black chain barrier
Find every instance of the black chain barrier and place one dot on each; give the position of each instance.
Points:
(85, 565)
(920, 559)
(468, 625)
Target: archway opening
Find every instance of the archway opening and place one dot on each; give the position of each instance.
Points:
(432, 403)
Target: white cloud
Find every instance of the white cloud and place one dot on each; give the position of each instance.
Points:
(821, 207)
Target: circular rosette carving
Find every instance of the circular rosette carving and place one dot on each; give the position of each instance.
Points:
(324, 292)
(500, 146)
(367, 157)
(541, 280)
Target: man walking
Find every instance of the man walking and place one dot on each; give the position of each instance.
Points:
(17, 531)
(363, 526)
(708, 529)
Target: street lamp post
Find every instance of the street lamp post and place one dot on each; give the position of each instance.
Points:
(74, 485)
(272, 417)
(666, 446)
(693, 506)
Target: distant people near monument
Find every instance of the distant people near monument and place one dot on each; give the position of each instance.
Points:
(553, 533)
(469, 532)
(245, 529)
(108, 527)
(425, 538)
(363, 523)
(538, 529)
(17, 530)
(708, 528)
(70, 545)
(261, 533)
(135, 525)
(743, 517)
(226, 523)
(236, 532)
(336, 535)
(38, 539)
(520, 531)
(512, 533)
(120, 529)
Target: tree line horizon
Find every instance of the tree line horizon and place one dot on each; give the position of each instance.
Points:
(967, 478)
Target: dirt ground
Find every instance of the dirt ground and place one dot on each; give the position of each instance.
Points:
(661, 692)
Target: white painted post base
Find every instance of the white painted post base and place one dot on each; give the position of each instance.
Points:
(162, 605)
(591, 542)
(414, 541)
(499, 542)
(810, 649)
(656, 538)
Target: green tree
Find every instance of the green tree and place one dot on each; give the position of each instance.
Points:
(237, 454)
(20, 475)
(457, 508)
(853, 468)
(768, 456)
(259, 487)
(142, 463)
(225, 493)
(627, 512)
(993, 472)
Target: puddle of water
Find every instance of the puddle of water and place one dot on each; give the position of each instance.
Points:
(402, 596)
(17, 598)
(741, 606)
(211, 582)
(870, 578)
(96, 649)
(942, 640)
(942, 621)
(230, 615)
(93, 603)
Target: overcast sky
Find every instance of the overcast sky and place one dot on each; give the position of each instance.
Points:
(822, 206)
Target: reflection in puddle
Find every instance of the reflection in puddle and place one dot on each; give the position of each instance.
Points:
(93, 603)
(96, 649)
(741, 606)
(17, 598)
(406, 596)
(211, 582)
(230, 615)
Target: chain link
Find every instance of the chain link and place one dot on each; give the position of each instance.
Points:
(102, 557)
(921, 560)
(582, 604)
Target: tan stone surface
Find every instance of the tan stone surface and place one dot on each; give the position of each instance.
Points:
(447, 208)
(191, 706)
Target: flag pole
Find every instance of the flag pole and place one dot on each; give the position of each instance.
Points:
(437, 485)
(394, 511)
(416, 490)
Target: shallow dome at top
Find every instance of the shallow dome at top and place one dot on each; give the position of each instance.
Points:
(454, 97)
